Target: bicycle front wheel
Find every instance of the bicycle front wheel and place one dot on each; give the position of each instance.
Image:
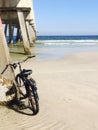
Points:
(33, 97)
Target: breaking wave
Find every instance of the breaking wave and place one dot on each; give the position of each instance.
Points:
(68, 42)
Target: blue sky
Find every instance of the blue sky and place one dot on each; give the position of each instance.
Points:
(66, 17)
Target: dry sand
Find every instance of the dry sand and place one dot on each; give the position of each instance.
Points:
(68, 91)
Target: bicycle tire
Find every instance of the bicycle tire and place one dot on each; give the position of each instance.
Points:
(33, 97)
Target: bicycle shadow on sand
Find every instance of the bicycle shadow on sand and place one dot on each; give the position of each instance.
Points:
(20, 108)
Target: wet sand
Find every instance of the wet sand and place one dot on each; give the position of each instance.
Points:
(68, 92)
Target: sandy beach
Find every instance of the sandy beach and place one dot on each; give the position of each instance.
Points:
(68, 92)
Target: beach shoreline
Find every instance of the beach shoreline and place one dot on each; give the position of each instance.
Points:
(68, 93)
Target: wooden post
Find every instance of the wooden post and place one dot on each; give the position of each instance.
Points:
(29, 34)
(24, 32)
(33, 31)
(11, 30)
(4, 54)
(18, 34)
(5, 30)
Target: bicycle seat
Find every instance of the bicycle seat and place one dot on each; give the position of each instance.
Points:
(26, 72)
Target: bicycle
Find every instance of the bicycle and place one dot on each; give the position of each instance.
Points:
(25, 86)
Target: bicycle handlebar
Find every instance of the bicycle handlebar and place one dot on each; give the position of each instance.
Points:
(14, 65)
(22, 60)
(26, 59)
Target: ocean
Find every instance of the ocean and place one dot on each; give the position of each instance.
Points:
(55, 47)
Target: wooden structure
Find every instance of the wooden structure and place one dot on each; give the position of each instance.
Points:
(4, 54)
(19, 14)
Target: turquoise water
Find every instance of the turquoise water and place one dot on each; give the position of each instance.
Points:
(55, 49)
